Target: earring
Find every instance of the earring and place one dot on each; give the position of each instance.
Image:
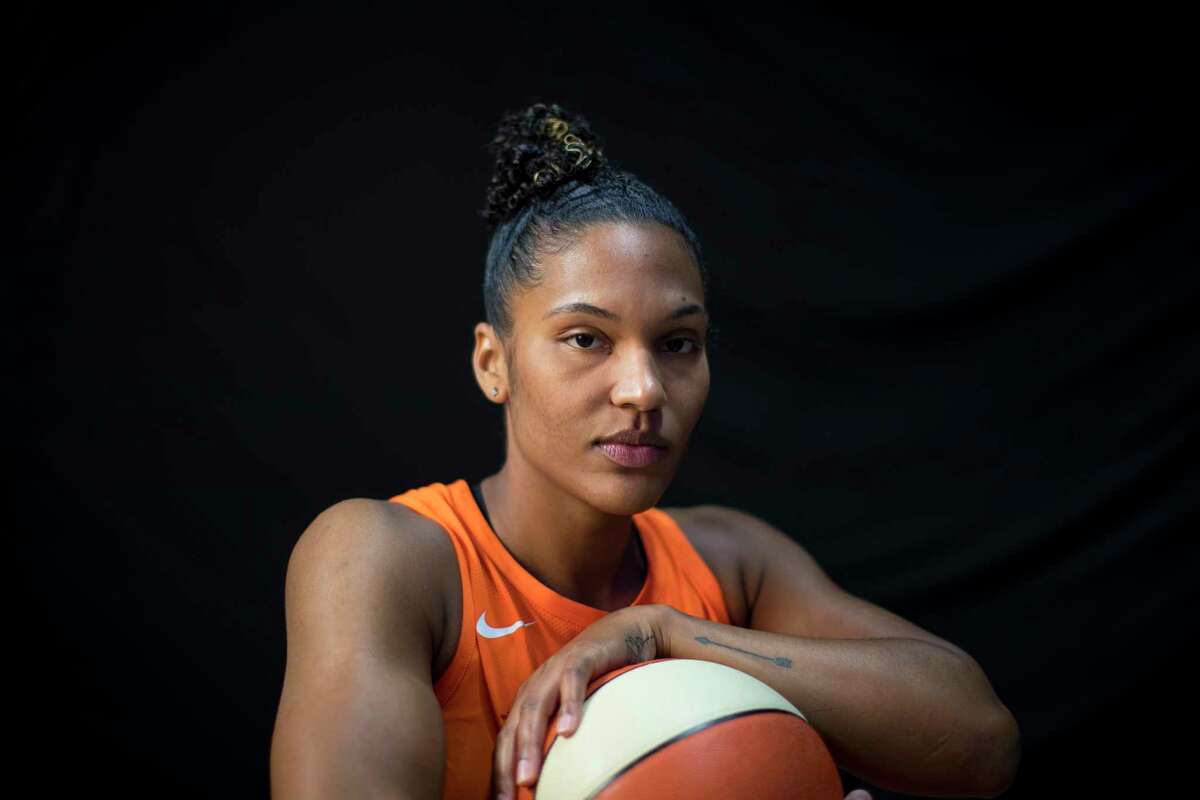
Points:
(494, 390)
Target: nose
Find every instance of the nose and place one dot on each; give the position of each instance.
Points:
(638, 381)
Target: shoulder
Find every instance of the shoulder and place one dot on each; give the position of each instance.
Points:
(383, 547)
(745, 532)
(718, 535)
(374, 527)
(739, 541)
(724, 530)
(788, 591)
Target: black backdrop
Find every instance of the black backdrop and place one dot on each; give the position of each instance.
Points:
(954, 274)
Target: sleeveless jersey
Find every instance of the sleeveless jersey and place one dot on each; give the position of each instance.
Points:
(511, 622)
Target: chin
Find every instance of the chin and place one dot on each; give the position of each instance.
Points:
(629, 492)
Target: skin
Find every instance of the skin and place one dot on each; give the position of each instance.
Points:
(582, 377)
(567, 380)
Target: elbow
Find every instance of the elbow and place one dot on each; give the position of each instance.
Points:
(998, 754)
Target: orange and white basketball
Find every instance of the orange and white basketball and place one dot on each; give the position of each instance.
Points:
(685, 729)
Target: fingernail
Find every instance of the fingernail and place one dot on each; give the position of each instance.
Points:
(524, 770)
(565, 721)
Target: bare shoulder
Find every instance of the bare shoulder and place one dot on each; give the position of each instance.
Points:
(761, 545)
(716, 535)
(358, 712)
(376, 543)
(363, 527)
(790, 593)
(737, 544)
(721, 530)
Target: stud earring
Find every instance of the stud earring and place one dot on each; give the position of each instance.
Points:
(494, 390)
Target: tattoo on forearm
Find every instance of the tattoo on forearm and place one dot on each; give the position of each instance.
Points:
(638, 647)
(778, 661)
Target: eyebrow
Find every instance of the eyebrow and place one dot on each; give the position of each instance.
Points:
(596, 311)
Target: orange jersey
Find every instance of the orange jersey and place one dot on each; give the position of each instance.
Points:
(511, 622)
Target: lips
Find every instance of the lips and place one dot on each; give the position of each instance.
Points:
(636, 437)
(631, 455)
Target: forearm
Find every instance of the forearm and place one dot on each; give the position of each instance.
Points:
(906, 715)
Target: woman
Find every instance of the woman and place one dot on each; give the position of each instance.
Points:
(559, 567)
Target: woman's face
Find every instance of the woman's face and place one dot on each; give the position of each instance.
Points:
(637, 360)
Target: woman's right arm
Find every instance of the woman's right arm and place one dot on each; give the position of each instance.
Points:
(358, 717)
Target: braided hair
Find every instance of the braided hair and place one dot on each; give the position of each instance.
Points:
(551, 180)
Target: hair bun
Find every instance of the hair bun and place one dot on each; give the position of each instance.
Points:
(538, 149)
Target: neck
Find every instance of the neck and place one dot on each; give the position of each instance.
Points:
(580, 552)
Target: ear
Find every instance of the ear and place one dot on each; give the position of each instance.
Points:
(489, 363)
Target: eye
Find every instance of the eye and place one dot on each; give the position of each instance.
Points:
(675, 346)
(684, 340)
(587, 340)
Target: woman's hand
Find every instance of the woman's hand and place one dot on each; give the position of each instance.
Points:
(626, 636)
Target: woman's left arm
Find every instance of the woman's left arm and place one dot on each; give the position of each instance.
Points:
(903, 714)
(896, 705)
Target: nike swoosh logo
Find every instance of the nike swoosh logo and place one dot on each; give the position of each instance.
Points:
(483, 629)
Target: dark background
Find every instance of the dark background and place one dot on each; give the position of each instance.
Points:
(955, 277)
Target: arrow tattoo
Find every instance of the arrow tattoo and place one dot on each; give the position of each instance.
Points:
(778, 661)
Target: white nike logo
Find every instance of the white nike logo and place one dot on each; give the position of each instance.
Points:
(488, 631)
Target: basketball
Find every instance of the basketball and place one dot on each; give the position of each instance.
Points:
(682, 729)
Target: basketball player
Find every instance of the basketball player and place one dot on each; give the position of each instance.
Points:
(433, 637)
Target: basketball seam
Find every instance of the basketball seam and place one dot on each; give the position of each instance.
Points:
(708, 723)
